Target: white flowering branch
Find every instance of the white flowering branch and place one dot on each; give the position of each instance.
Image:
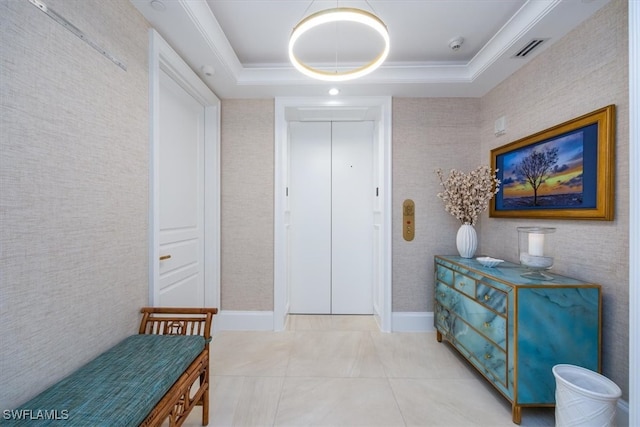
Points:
(466, 195)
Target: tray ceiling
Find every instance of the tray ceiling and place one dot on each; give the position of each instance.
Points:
(244, 43)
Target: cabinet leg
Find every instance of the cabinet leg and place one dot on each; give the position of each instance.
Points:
(438, 336)
(516, 414)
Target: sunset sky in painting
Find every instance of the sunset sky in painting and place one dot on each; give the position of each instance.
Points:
(565, 177)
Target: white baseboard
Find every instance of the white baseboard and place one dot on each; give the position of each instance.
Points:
(412, 321)
(233, 320)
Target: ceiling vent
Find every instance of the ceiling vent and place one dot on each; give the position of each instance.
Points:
(529, 47)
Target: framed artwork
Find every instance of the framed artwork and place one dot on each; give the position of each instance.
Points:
(564, 172)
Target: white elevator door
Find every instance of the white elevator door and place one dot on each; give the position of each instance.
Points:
(331, 225)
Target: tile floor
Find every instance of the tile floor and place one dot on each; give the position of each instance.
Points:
(342, 371)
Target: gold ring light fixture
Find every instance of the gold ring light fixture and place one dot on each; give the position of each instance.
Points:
(339, 14)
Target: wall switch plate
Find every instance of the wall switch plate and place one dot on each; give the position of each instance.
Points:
(500, 126)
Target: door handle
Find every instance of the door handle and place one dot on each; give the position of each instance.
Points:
(165, 257)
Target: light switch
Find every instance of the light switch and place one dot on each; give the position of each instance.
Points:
(408, 220)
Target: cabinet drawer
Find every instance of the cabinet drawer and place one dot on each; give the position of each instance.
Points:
(483, 320)
(442, 319)
(488, 358)
(464, 284)
(444, 275)
(444, 294)
(491, 297)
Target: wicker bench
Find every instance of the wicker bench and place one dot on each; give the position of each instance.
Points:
(146, 379)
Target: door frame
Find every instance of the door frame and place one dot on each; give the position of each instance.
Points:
(162, 57)
(634, 220)
(374, 108)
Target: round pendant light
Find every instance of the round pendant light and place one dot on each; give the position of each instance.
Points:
(341, 14)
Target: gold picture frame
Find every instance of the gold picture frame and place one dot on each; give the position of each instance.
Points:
(564, 172)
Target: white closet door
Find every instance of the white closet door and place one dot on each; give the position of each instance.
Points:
(310, 222)
(331, 224)
(181, 197)
(352, 218)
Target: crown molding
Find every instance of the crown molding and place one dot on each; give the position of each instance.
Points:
(522, 22)
(207, 25)
(512, 33)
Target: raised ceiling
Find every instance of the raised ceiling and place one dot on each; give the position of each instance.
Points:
(244, 42)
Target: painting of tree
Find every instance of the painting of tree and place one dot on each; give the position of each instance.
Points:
(565, 171)
(548, 174)
(535, 168)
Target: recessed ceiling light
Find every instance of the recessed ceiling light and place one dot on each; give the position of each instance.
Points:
(334, 91)
(158, 5)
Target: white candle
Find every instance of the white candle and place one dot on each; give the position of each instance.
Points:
(536, 244)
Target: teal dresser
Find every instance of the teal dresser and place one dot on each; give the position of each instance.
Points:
(513, 330)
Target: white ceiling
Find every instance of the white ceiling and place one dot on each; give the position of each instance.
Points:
(245, 42)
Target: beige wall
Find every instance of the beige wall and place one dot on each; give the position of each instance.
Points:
(73, 188)
(584, 71)
(428, 133)
(247, 159)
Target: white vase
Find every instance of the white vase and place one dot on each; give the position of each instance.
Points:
(466, 241)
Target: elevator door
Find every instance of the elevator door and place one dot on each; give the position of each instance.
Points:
(331, 224)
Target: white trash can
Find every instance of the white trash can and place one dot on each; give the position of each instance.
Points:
(584, 398)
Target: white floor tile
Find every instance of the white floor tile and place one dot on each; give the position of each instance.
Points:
(418, 355)
(245, 401)
(334, 354)
(448, 402)
(251, 353)
(338, 402)
(341, 371)
(331, 323)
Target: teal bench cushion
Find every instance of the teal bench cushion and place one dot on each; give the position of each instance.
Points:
(118, 388)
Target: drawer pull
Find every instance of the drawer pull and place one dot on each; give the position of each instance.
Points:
(165, 257)
(487, 356)
(461, 284)
(487, 325)
(487, 297)
(442, 295)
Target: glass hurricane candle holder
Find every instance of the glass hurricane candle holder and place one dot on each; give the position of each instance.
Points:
(534, 251)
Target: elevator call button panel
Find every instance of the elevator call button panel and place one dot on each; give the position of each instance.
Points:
(408, 220)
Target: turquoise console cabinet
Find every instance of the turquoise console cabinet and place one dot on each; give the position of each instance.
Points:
(513, 330)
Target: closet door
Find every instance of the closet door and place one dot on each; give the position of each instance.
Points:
(181, 194)
(310, 222)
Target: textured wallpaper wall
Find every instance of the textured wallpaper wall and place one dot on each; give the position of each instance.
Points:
(73, 188)
(428, 133)
(586, 70)
(247, 168)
